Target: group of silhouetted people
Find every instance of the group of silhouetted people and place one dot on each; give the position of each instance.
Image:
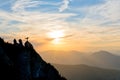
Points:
(27, 44)
(20, 42)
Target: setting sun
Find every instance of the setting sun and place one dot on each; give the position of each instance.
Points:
(56, 35)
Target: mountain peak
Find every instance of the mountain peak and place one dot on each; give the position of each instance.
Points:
(104, 53)
(21, 62)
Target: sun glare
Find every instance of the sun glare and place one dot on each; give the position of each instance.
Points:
(56, 35)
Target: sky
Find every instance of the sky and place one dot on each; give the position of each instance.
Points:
(82, 25)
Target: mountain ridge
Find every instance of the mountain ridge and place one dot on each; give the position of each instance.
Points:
(103, 59)
(21, 62)
(85, 72)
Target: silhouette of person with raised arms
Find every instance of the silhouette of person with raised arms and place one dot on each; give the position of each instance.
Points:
(28, 44)
(27, 38)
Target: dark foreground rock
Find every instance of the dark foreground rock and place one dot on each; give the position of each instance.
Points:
(22, 62)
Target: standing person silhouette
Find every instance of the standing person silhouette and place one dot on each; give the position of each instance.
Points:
(27, 43)
(20, 42)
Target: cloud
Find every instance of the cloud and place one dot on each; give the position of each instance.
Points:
(102, 14)
(67, 36)
(20, 5)
(51, 39)
(22, 23)
(64, 5)
(100, 23)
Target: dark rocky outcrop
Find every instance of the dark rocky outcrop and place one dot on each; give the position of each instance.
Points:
(22, 62)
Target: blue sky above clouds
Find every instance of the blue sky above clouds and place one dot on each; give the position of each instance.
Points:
(99, 20)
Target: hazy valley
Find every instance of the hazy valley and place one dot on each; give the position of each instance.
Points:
(102, 59)
(84, 72)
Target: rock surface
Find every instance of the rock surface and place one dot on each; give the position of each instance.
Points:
(22, 62)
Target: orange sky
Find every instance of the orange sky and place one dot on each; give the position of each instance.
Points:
(62, 24)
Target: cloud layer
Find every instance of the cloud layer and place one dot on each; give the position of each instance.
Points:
(90, 26)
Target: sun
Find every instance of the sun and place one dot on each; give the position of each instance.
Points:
(56, 35)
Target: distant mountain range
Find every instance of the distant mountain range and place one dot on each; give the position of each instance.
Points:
(102, 59)
(105, 59)
(84, 72)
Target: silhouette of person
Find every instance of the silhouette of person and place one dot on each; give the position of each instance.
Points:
(15, 41)
(28, 44)
(20, 42)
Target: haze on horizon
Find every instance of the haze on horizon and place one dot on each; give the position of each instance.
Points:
(81, 25)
